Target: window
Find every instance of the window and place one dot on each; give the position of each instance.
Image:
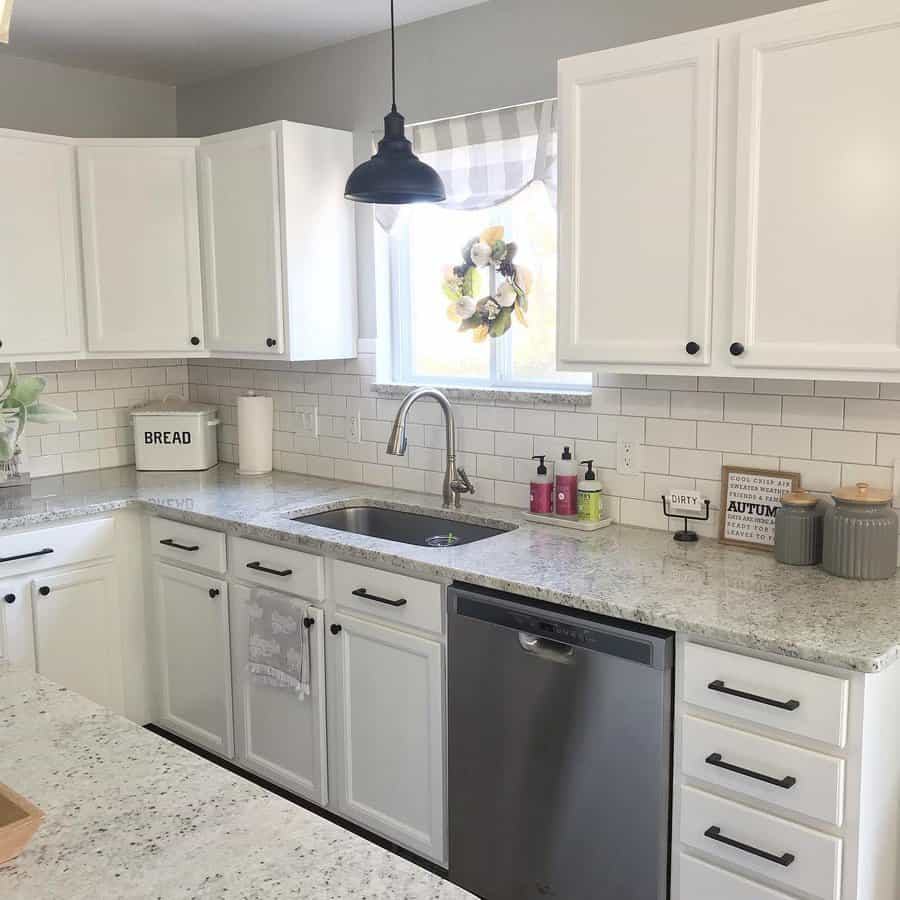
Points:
(428, 347)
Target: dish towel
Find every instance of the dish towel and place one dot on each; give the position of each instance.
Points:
(279, 652)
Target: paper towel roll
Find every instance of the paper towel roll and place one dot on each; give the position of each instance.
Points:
(255, 435)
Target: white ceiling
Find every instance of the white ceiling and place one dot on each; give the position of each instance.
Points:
(182, 41)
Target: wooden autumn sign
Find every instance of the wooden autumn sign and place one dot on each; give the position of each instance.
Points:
(750, 498)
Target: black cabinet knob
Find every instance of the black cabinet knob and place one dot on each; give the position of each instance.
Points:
(43, 591)
(308, 622)
(692, 347)
(1, 343)
(195, 341)
(10, 598)
(736, 349)
(214, 592)
(271, 342)
(335, 629)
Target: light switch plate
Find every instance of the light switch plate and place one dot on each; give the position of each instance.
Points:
(307, 420)
(354, 426)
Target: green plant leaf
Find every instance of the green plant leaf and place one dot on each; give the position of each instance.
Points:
(472, 322)
(498, 251)
(27, 390)
(472, 283)
(450, 292)
(49, 414)
(501, 324)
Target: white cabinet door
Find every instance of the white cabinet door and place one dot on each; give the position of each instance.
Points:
(77, 636)
(386, 718)
(636, 199)
(240, 201)
(140, 232)
(194, 684)
(817, 267)
(16, 628)
(277, 735)
(41, 296)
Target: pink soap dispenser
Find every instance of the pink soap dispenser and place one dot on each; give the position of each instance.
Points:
(567, 485)
(541, 489)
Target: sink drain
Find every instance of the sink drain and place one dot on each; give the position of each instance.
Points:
(442, 540)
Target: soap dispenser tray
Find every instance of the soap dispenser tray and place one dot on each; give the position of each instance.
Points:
(572, 522)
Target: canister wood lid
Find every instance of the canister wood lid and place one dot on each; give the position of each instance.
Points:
(862, 492)
(799, 498)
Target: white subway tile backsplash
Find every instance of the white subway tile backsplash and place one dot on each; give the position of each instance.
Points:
(774, 440)
(872, 415)
(815, 475)
(637, 402)
(726, 436)
(532, 421)
(861, 389)
(695, 463)
(784, 386)
(576, 425)
(844, 446)
(877, 476)
(813, 412)
(753, 409)
(671, 432)
(697, 405)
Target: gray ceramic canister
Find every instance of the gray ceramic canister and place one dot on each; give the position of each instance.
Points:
(861, 534)
(799, 523)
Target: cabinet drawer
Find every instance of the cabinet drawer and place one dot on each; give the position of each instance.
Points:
(50, 548)
(188, 544)
(809, 783)
(698, 880)
(792, 700)
(389, 596)
(789, 854)
(285, 570)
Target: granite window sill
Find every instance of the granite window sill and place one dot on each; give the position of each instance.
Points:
(494, 395)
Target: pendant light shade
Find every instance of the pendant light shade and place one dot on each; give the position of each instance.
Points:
(394, 175)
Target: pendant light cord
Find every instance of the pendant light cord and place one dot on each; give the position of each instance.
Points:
(393, 64)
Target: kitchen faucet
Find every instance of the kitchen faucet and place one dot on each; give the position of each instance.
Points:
(456, 482)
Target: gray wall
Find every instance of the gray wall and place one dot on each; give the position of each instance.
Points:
(44, 97)
(497, 54)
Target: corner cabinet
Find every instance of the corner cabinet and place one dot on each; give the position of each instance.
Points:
(278, 242)
(41, 298)
(728, 199)
(637, 170)
(140, 234)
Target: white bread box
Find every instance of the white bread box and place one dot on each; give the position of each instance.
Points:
(175, 435)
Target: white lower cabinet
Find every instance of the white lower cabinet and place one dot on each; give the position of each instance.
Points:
(194, 667)
(16, 632)
(77, 639)
(279, 736)
(701, 881)
(386, 724)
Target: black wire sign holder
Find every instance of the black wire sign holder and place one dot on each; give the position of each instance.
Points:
(685, 536)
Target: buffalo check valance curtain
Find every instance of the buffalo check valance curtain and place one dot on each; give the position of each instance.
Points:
(486, 158)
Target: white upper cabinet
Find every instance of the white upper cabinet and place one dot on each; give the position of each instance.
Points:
(817, 237)
(730, 199)
(636, 202)
(278, 242)
(140, 234)
(41, 295)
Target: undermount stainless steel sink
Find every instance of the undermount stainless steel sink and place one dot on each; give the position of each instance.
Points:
(400, 525)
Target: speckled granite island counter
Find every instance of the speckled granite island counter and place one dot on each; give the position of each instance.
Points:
(738, 596)
(131, 815)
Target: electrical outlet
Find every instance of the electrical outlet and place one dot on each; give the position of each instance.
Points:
(307, 421)
(629, 457)
(354, 426)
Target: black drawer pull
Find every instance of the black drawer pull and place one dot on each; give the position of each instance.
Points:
(308, 622)
(715, 759)
(213, 593)
(259, 567)
(168, 542)
(10, 598)
(715, 834)
(336, 629)
(719, 686)
(362, 592)
(43, 552)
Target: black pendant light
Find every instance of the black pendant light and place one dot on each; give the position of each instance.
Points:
(394, 174)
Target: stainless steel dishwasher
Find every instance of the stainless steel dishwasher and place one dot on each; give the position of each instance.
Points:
(560, 735)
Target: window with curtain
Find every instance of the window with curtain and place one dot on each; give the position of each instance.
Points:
(499, 169)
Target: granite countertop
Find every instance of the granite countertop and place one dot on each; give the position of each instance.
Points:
(705, 589)
(131, 815)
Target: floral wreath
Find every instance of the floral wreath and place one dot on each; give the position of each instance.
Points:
(491, 315)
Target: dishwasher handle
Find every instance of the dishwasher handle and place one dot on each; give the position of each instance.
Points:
(552, 651)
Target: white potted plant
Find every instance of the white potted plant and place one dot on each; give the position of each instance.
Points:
(20, 403)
